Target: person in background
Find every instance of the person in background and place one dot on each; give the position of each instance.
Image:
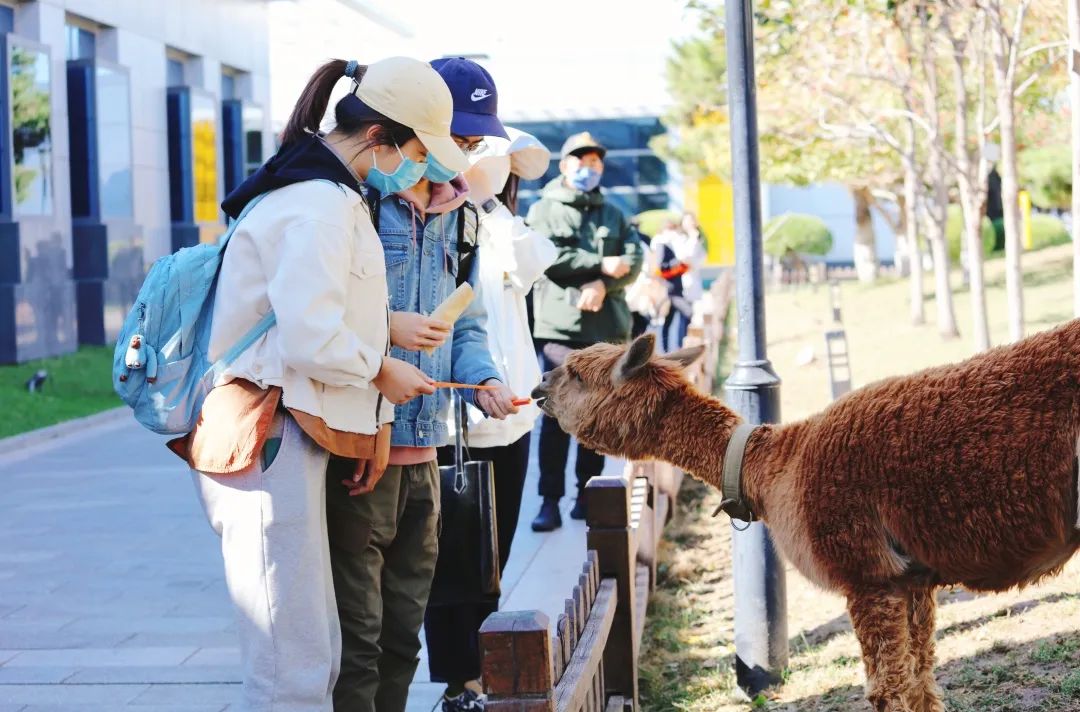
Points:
(680, 256)
(318, 384)
(582, 299)
(641, 318)
(511, 257)
(384, 531)
(690, 227)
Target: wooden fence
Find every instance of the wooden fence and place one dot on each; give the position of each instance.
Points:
(591, 663)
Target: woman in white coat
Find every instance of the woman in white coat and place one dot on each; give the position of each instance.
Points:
(511, 258)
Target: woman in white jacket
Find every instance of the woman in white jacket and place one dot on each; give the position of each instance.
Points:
(318, 385)
(511, 258)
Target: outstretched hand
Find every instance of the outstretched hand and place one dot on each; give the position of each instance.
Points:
(497, 403)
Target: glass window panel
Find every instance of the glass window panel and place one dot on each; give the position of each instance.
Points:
(204, 159)
(31, 113)
(651, 171)
(253, 139)
(653, 201)
(619, 170)
(114, 142)
(174, 72)
(228, 86)
(81, 43)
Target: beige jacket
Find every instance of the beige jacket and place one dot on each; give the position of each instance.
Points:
(309, 252)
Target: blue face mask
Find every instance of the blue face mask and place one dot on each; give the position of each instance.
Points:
(584, 179)
(436, 172)
(405, 176)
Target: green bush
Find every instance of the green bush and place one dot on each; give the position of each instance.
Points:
(1046, 230)
(954, 233)
(1047, 174)
(653, 221)
(805, 234)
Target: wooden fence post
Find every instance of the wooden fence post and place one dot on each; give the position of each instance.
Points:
(614, 539)
(516, 662)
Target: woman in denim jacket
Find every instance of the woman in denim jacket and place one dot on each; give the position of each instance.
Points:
(384, 534)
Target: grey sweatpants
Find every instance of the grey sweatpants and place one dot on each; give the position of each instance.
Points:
(272, 526)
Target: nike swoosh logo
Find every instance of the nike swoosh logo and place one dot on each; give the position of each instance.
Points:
(480, 94)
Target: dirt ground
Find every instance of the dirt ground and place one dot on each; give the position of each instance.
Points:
(996, 653)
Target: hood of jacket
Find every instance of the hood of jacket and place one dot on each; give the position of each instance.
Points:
(556, 189)
(443, 197)
(307, 159)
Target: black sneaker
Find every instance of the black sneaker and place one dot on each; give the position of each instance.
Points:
(549, 519)
(467, 701)
(579, 512)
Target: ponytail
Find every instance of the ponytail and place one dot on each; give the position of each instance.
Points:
(311, 106)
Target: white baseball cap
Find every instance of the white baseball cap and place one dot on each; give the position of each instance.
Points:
(413, 94)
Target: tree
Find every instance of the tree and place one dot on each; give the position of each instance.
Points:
(1005, 33)
(1074, 101)
(965, 29)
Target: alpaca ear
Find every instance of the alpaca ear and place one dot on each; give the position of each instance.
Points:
(686, 357)
(635, 358)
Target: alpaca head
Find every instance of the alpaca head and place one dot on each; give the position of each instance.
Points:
(611, 398)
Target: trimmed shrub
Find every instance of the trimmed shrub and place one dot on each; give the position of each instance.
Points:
(653, 221)
(1046, 230)
(1047, 173)
(805, 234)
(954, 234)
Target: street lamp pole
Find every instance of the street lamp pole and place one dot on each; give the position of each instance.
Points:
(753, 389)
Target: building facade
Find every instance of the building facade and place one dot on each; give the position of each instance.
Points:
(122, 125)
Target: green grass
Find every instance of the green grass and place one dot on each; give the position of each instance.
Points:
(79, 384)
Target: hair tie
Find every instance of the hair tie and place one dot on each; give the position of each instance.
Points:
(350, 69)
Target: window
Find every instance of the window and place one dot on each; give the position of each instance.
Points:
(31, 136)
(7, 20)
(176, 62)
(114, 141)
(81, 42)
(174, 72)
(228, 86)
(204, 157)
(253, 139)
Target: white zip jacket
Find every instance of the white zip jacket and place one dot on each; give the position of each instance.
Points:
(511, 258)
(309, 252)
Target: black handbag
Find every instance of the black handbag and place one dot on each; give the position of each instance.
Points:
(467, 570)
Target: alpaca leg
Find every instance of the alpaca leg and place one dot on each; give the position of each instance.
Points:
(926, 695)
(880, 619)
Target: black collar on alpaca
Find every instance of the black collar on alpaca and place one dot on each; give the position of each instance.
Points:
(733, 503)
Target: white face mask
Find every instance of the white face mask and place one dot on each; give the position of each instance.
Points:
(495, 168)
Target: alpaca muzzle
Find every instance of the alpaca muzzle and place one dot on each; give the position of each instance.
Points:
(541, 395)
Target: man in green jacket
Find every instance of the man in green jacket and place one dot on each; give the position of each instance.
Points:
(581, 301)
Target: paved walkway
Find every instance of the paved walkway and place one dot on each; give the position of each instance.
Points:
(111, 586)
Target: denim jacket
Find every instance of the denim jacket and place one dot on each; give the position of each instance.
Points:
(421, 271)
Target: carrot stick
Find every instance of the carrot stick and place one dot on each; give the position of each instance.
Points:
(445, 384)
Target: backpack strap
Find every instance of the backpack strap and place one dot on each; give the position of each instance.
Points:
(245, 342)
(261, 327)
(468, 227)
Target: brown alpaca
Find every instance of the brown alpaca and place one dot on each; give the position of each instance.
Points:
(958, 475)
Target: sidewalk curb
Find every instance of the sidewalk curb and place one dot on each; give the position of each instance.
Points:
(15, 443)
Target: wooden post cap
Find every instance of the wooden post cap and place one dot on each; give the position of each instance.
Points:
(607, 501)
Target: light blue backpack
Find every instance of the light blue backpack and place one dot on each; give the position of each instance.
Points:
(160, 365)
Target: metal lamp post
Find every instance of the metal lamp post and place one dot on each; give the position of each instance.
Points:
(753, 389)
